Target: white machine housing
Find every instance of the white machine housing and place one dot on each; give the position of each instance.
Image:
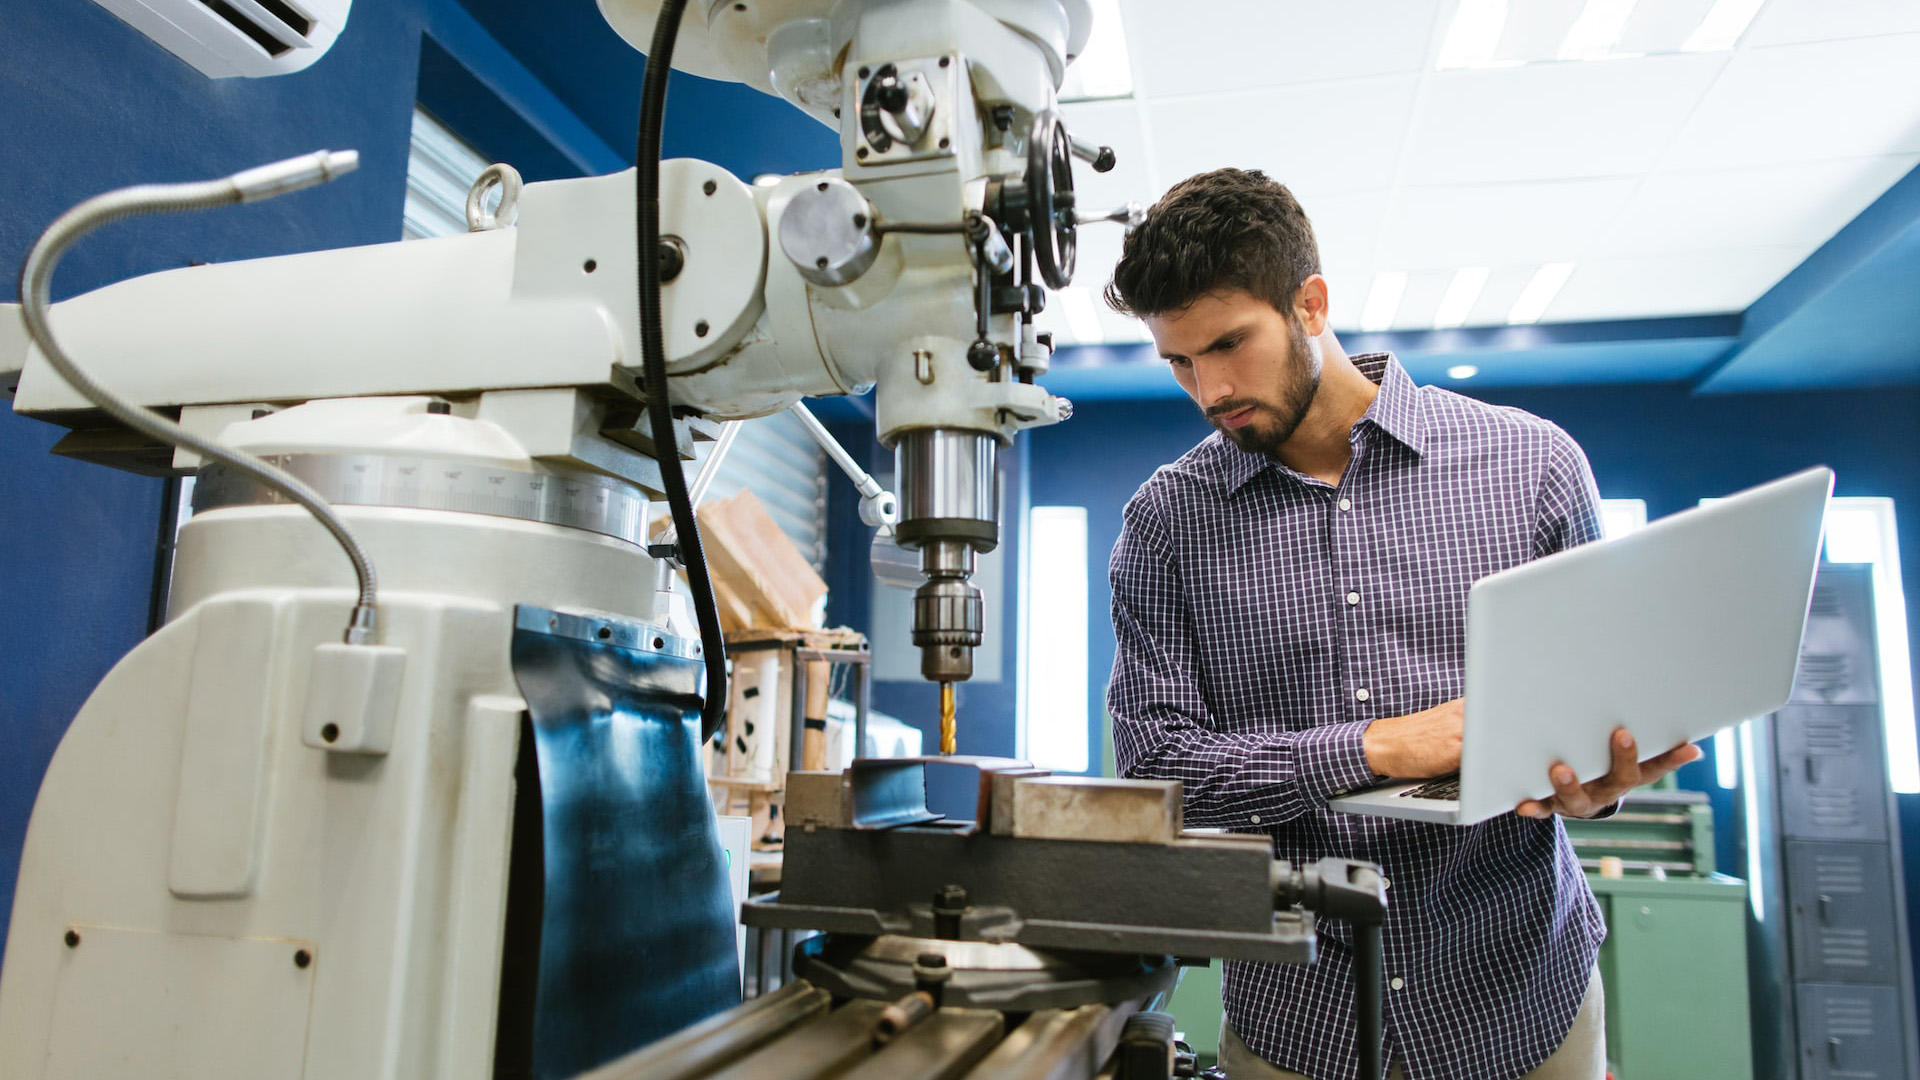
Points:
(211, 885)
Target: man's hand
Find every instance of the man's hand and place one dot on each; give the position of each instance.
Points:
(1574, 799)
(1426, 743)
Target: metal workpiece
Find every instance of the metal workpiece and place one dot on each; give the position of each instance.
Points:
(828, 231)
(619, 916)
(575, 500)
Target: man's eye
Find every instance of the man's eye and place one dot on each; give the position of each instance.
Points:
(1179, 361)
(1230, 344)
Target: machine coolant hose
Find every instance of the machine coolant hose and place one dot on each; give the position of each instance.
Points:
(252, 185)
(653, 353)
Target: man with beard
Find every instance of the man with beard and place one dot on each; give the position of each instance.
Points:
(1289, 604)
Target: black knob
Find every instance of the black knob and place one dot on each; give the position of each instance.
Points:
(1104, 161)
(892, 96)
(983, 355)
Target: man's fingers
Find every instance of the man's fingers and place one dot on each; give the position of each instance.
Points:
(1625, 772)
(1533, 808)
(1568, 793)
(1660, 765)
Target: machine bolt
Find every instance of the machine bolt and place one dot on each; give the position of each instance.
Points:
(983, 355)
(709, 188)
(301, 958)
(948, 905)
(73, 939)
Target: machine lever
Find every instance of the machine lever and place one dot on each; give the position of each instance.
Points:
(1132, 215)
(1102, 158)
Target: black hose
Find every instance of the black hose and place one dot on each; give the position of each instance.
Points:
(1367, 979)
(653, 352)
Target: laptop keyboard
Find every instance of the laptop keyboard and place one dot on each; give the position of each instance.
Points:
(1445, 787)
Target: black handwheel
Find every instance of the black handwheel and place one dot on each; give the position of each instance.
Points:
(1050, 220)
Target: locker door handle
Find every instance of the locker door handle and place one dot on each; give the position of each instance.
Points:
(1826, 909)
(1833, 1051)
(1808, 762)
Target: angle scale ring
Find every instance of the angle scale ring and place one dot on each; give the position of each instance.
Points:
(596, 504)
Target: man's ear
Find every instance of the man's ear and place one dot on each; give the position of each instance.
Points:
(1310, 305)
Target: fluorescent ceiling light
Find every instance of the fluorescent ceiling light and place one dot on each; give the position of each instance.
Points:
(767, 179)
(1102, 71)
(1723, 25)
(1462, 371)
(1083, 320)
(1540, 292)
(1457, 303)
(1383, 300)
(1474, 35)
(1597, 30)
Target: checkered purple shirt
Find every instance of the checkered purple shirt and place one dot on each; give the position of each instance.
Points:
(1264, 618)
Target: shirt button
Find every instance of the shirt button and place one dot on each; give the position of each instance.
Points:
(1255, 818)
(1353, 598)
(1361, 694)
(1397, 982)
(1346, 504)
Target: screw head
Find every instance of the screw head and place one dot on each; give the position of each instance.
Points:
(950, 897)
(72, 939)
(709, 187)
(302, 958)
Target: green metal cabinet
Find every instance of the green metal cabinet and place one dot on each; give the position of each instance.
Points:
(1675, 969)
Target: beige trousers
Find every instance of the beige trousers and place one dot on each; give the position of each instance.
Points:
(1582, 1054)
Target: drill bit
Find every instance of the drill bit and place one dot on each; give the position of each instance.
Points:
(947, 737)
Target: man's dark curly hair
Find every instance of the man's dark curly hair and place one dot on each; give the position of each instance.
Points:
(1226, 229)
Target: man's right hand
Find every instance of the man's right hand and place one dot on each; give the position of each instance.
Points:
(1426, 743)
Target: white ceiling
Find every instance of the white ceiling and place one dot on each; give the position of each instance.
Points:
(1676, 182)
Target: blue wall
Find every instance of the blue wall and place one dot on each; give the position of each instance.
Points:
(1663, 444)
(88, 104)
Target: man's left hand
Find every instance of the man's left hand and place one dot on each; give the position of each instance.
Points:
(1575, 799)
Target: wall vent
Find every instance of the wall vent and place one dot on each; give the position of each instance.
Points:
(224, 38)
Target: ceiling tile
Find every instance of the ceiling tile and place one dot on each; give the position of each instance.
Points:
(1552, 121)
(1497, 297)
(1346, 295)
(1225, 45)
(1805, 103)
(1662, 26)
(1787, 204)
(1782, 22)
(1497, 224)
(1421, 299)
(1690, 283)
(1331, 138)
(1346, 227)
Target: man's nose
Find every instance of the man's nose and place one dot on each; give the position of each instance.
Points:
(1211, 382)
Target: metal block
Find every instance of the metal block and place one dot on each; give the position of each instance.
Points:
(1000, 798)
(819, 798)
(1092, 808)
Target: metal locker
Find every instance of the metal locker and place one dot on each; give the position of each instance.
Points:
(1850, 1033)
(1840, 913)
(1832, 772)
(1837, 663)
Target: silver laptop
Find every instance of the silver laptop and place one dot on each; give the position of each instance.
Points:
(1673, 632)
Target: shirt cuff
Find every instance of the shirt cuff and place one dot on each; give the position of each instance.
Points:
(1331, 760)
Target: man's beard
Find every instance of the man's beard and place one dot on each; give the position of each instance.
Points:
(1273, 423)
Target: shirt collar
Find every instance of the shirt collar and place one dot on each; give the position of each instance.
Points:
(1395, 410)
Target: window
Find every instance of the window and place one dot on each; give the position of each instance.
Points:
(1053, 727)
(1618, 517)
(440, 169)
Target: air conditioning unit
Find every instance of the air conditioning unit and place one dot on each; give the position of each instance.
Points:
(238, 37)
